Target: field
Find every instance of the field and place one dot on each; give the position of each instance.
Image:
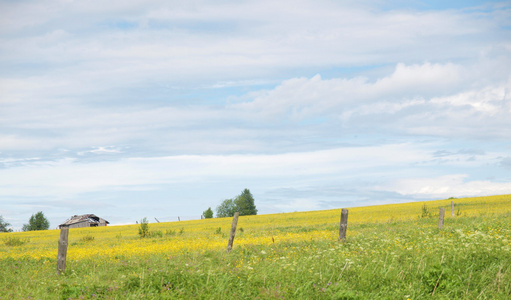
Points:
(391, 252)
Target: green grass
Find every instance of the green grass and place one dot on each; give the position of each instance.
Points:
(470, 258)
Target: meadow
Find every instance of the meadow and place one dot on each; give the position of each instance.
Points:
(391, 252)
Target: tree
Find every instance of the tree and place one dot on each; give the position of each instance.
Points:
(208, 213)
(37, 222)
(226, 209)
(4, 225)
(245, 203)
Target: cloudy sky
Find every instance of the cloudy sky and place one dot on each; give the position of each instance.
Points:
(130, 109)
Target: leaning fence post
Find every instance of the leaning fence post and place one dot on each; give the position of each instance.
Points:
(344, 225)
(452, 208)
(441, 218)
(62, 254)
(233, 231)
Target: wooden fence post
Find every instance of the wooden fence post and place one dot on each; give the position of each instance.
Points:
(62, 254)
(344, 225)
(441, 218)
(452, 208)
(233, 231)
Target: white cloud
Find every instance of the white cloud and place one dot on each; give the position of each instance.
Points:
(69, 177)
(172, 42)
(424, 100)
(86, 86)
(458, 185)
(427, 99)
(424, 79)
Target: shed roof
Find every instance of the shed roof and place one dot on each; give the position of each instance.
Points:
(91, 218)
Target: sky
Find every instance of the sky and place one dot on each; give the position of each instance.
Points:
(161, 109)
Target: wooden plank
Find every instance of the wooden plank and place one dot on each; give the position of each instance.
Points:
(233, 231)
(62, 254)
(344, 225)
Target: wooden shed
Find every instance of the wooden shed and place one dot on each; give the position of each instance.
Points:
(89, 220)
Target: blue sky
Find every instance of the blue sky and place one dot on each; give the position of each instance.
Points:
(132, 109)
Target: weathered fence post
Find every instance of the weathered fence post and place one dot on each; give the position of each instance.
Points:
(452, 208)
(233, 231)
(344, 225)
(441, 218)
(62, 254)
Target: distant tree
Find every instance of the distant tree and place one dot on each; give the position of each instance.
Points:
(37, 222)
(4, 225)
(245, 203)
(208, 213)
(226, 209)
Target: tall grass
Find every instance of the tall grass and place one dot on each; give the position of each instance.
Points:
(292, 256)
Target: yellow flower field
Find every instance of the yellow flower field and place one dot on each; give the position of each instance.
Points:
(202, 235)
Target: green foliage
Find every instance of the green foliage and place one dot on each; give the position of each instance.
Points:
(143, 229)
(208, 213)
(37, 222)
(4, 225)
(436, 278)
(15, 241)
(243, 203)
(226, 209)
(218, 230)
(425, 212)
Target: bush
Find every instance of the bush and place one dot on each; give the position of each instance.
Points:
(143, 229)
(425, 212)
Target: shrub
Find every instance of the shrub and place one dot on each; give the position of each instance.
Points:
(425, 212)
(143, 229)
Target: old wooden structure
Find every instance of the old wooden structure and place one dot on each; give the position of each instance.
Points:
(89, 220)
